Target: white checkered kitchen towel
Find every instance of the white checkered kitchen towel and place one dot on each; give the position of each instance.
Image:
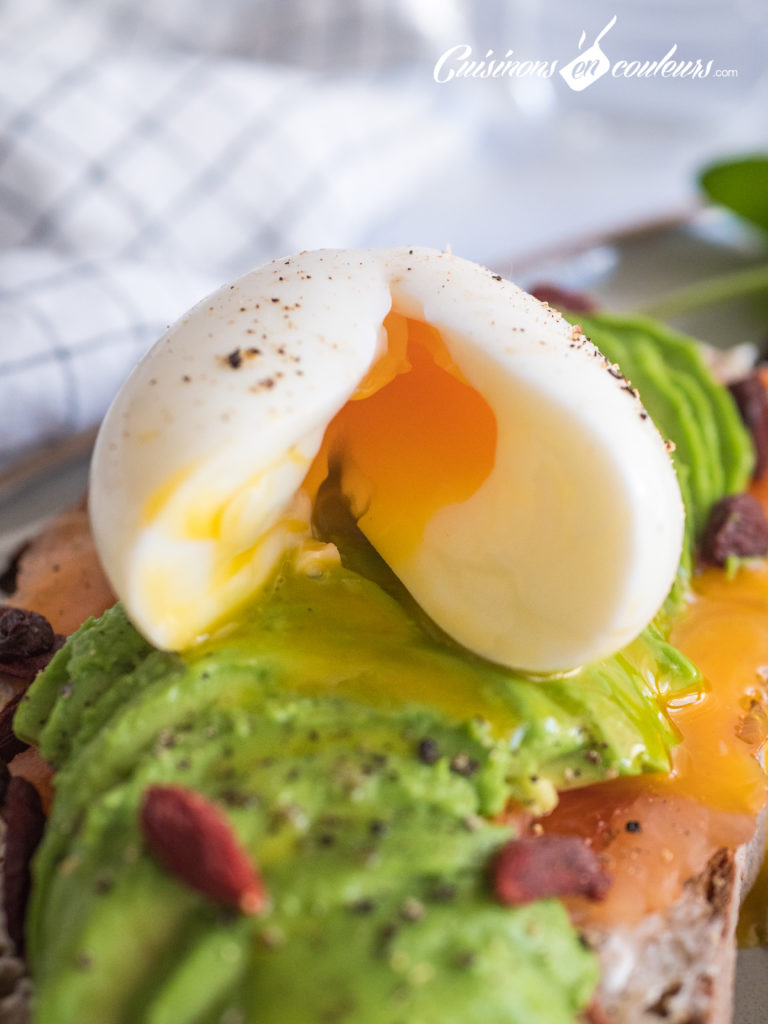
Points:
(149, 151)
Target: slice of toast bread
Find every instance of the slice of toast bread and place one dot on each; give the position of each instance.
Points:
(677, 966)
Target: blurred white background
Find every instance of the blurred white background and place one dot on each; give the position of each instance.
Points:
(495, 167)
(150, 151)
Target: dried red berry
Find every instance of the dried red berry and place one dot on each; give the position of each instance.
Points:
(194, 841)
(736, 526)
(540, 867)
(752, 400)
(24, 820)
(26, 667)
(23, 633)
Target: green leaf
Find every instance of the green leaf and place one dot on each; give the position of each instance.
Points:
(740, 185)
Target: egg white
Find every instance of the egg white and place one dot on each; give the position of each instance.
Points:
(561, 556)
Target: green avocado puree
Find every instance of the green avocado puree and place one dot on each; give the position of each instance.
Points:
(362, 759)
(307, 722)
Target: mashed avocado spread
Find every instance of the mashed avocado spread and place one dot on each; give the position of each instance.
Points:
(363, 760)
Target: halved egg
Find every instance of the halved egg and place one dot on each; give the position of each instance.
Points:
(503, 469)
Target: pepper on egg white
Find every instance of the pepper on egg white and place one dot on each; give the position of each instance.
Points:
(490, 454)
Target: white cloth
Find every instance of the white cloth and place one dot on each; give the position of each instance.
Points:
(150, 151)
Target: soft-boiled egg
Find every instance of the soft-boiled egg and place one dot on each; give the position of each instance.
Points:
(503, 469)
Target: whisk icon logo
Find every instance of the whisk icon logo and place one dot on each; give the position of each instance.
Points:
(589, 65)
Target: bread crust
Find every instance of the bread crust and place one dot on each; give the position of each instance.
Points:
(677, 966)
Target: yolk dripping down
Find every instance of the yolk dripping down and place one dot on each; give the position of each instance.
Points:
(725, 632)
(716, 787)
(415, 437)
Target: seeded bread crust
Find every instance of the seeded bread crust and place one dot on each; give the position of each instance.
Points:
(678, 966)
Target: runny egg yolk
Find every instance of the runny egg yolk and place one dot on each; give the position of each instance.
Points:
(724, 633)
(414, 438)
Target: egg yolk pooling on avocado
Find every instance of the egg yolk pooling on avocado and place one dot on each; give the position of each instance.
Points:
(414, 438)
